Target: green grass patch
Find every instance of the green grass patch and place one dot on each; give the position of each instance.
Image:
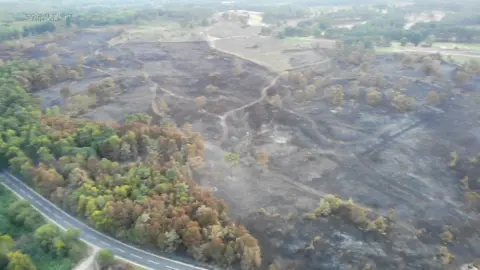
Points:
(395, 46)
(298, 40)
(385, 49)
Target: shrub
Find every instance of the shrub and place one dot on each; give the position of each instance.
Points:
(433, 98)
(373, 97)
(403, 103)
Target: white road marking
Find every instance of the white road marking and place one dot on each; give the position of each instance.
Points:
(29, 196)
(23, 185)
(173, 268)
(121, 250)
(48, 210)
(136, 256)
(57, 216)
(104, 243)
(153, 262)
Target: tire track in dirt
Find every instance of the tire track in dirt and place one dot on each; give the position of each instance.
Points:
(391, 138)
(404, 193)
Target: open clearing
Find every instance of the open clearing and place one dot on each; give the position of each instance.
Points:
(271, 52)
(380, 158)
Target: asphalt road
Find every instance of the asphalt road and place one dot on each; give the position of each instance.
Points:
(90, 235)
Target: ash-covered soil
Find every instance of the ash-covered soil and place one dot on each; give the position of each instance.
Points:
(381, 158)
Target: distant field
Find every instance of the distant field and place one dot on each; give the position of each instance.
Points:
(438, 45)
(298, 40)
(161, 30)
(457, 58)
(452, 45)
(329, 9)
(308, 42)
(395, 46)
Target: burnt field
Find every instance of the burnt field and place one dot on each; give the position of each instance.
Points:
(386, 160)
(367, 132)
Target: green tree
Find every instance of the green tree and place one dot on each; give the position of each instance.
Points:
(66, 92)
(71, 235)
(415, 38)
(138, 117)
(6, 242)
(430, 40)
(233, 160)
(44, 155)
(403, 41)
(19, 261)
(45, 235)
(3, 261)
(59, 247)
(105, 258)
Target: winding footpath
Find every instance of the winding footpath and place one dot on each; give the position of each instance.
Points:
(89, 235)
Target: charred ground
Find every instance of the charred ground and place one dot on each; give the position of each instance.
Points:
(342, 122)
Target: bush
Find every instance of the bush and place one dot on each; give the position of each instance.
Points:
(353, 91)
(337, 96)
(310, 91)
(433, 98)
(373, 97)
(105, 258)
(403, 103)
(447, 236)
(211, 88)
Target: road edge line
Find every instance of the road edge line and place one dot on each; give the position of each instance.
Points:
(111, 238)
(63, 228)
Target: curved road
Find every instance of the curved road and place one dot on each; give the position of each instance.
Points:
(90, 235)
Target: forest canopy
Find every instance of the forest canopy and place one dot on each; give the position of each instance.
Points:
(129, 180)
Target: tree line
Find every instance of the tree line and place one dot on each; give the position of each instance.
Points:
(130, 180)
(12, 33)
(21, 27)
(378, 28)
(28, 243)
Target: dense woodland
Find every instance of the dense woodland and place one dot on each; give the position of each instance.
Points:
(130, 180)
(18, 25)
(28, 243)
(383, 23)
